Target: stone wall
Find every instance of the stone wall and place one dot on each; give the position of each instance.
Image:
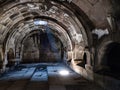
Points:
(41, 50)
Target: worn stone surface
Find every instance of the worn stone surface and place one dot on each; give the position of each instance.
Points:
(44, 77)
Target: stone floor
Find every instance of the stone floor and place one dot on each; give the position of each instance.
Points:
(44, 77)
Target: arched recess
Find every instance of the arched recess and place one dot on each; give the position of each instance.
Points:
(10, 58)
(107, 61)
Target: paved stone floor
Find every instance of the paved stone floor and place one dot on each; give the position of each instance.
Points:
(44, 77)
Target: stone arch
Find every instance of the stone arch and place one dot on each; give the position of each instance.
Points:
(78, 19)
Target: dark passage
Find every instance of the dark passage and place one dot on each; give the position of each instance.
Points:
(113, 58)
(111, 61)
